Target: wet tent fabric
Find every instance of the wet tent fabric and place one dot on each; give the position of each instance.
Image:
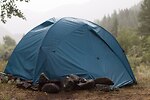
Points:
(59, 47)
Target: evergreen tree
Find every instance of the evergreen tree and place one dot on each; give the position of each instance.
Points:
(144, 18)
(114, 29)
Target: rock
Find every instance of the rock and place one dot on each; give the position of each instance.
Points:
(18, 81)
(77, 79)
(9, 82)
(74, 78)
(24, 85)
(90, 84)
(50, 88)
(5, 79)
(35, 87)
(82, 80)
(74, 82)
(69, 84)
(19, 85)
(12, 81)
(10, 77)
(102, 87)
(42, 80)
(57, 82)
(2, 74)
(105, 81)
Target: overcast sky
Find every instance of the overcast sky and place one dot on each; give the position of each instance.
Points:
(46, 5)
(37, 11)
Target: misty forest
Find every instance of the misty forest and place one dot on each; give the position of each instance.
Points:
(131, 28)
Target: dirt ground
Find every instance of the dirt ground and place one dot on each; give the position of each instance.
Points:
(136, 92)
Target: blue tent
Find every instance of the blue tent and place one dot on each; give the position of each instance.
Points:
(60, 47)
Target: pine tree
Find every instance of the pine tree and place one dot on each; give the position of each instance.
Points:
(144, 18)
(114, 29)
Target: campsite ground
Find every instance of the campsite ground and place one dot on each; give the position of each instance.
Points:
(141, 91)
(137, 92)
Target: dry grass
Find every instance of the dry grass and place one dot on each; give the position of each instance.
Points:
(2, 65)
(141, 91)
(142, 74)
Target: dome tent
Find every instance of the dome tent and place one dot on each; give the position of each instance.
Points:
(60, 47)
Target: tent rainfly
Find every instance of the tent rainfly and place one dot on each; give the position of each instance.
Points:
(60, 47)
